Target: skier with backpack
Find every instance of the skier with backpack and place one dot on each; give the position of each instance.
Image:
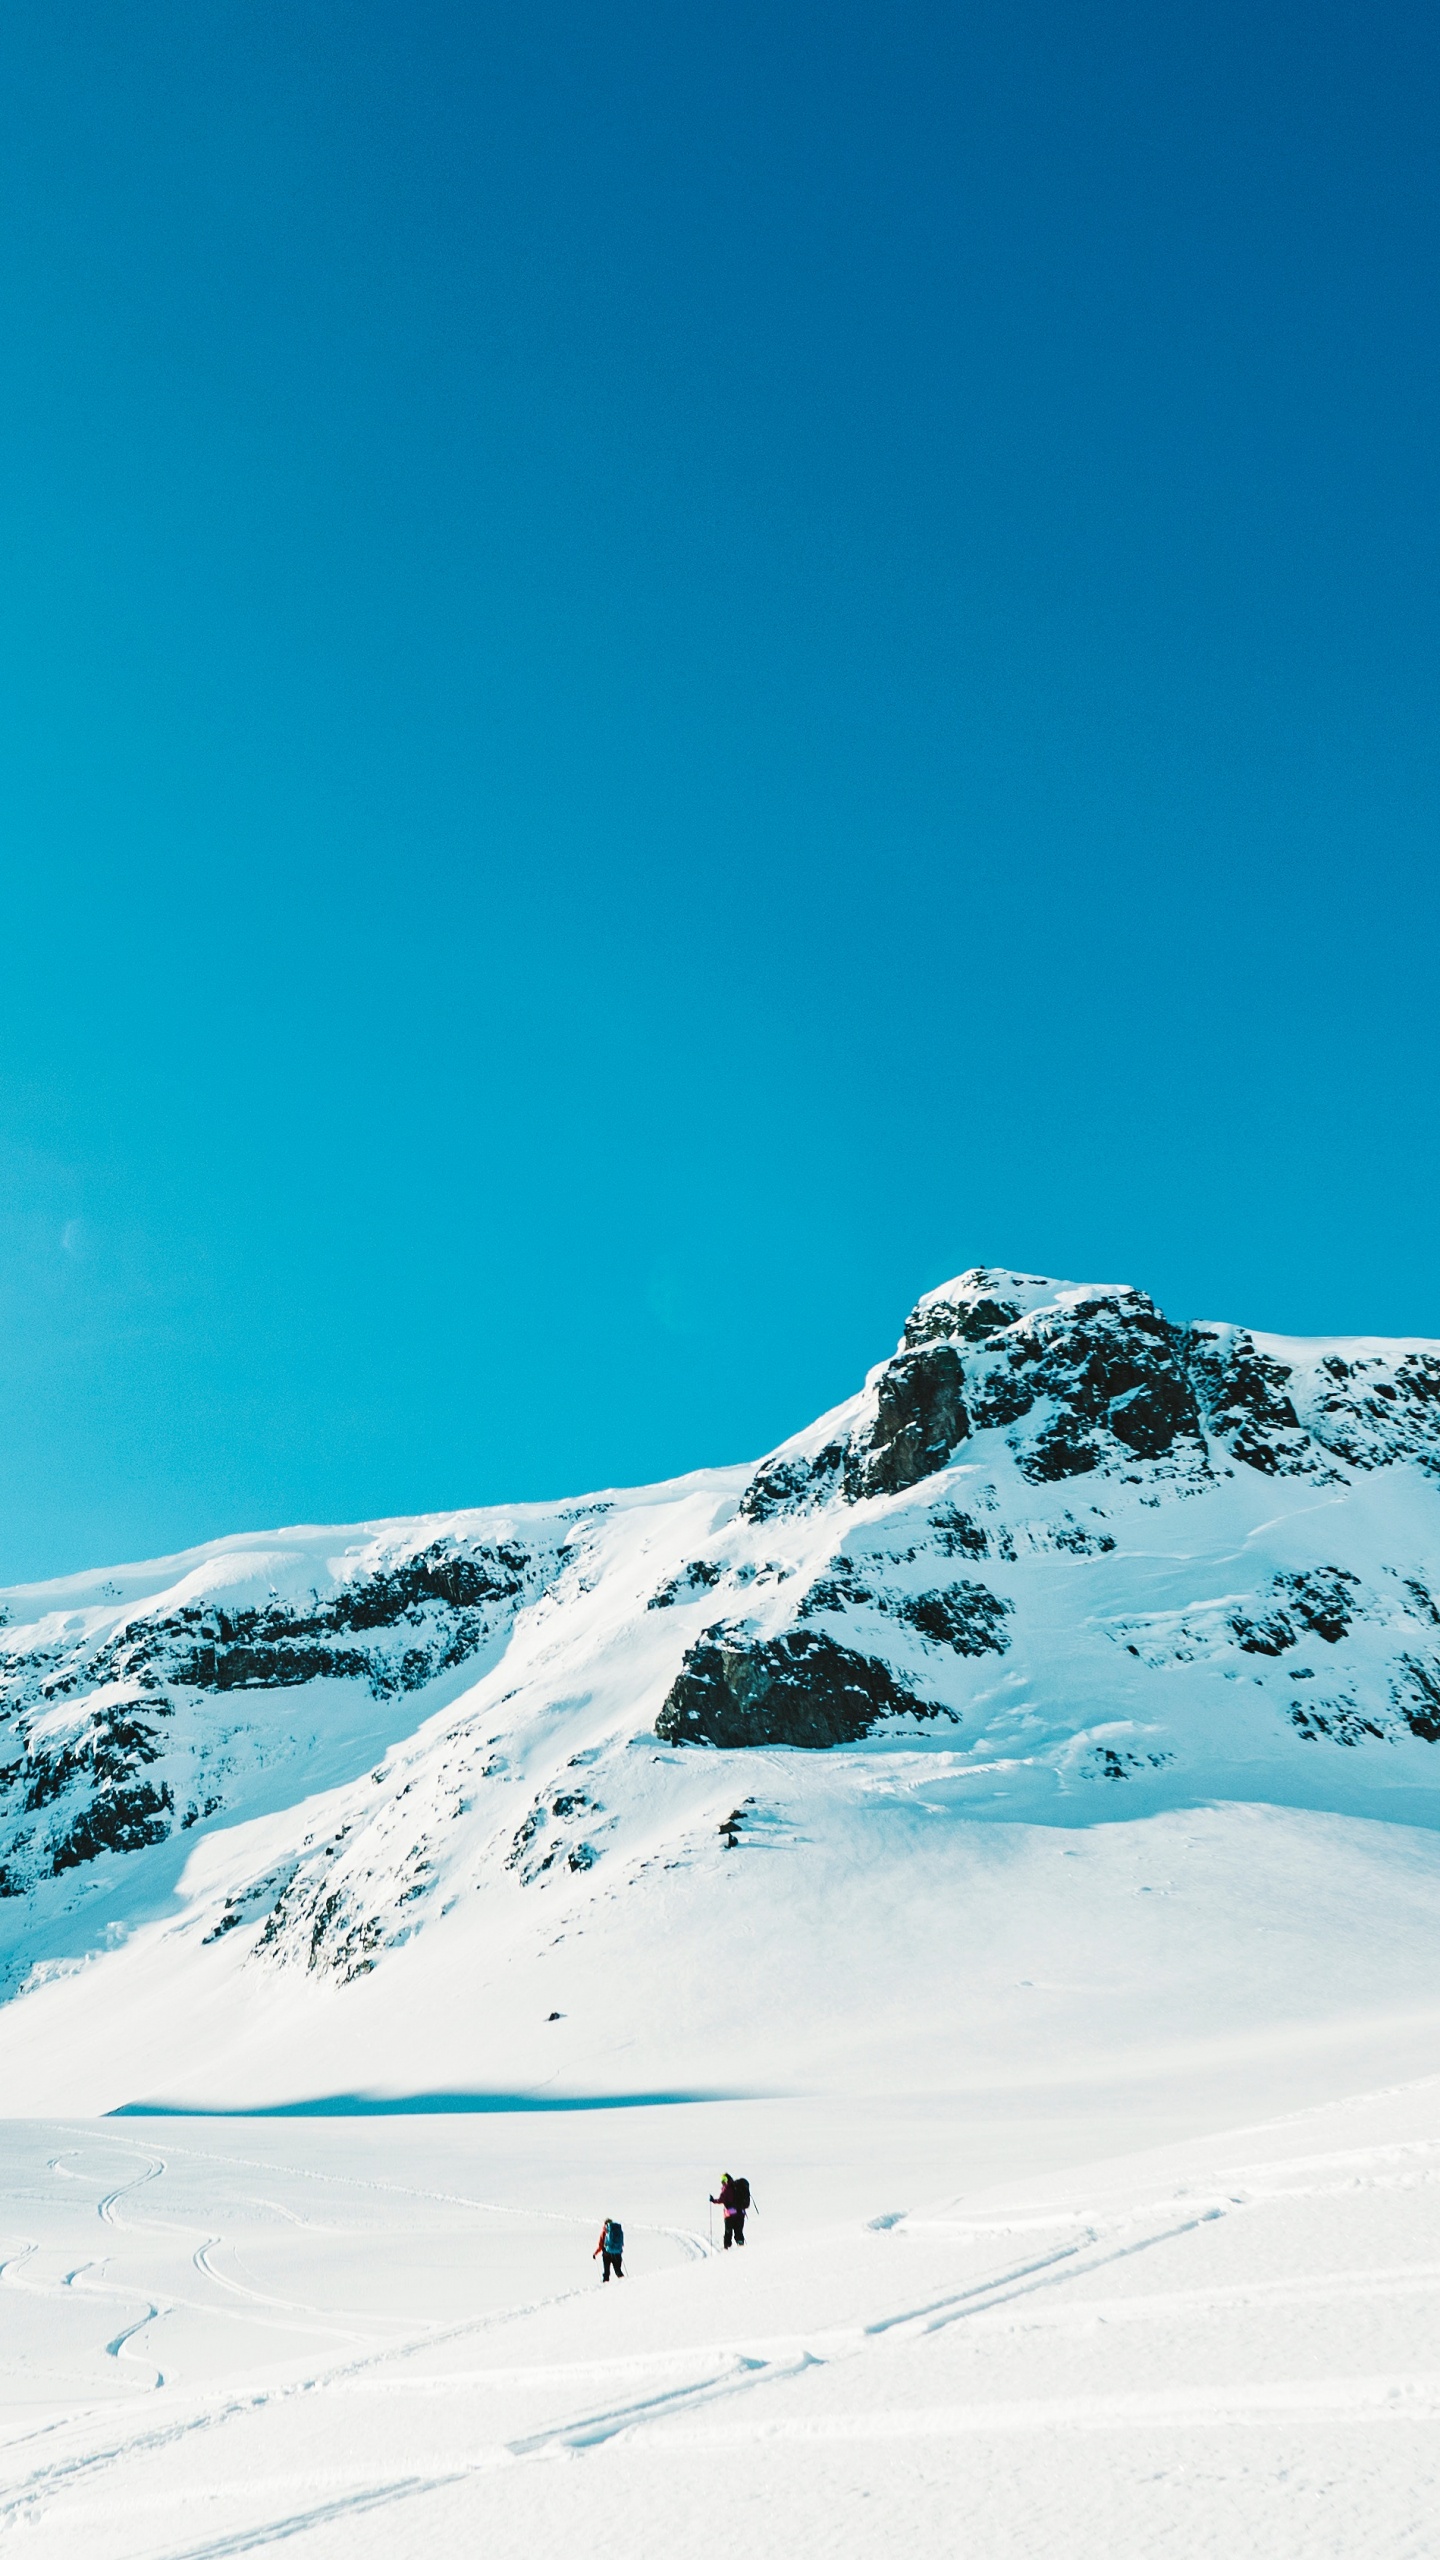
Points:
(610, 2246)
(735, 2197)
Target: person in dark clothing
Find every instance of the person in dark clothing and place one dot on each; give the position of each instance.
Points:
(610, 2246)
(735, 2197)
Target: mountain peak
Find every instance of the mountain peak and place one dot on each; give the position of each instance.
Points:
(1057, 1552)
(988, 1300)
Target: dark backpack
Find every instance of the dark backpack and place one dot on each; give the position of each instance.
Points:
(614, 2239)
(741, 2190)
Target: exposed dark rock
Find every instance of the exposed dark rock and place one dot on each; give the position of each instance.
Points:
(959, 1533)
(1005, 1392)
(132, 1817)
(920, 1418)
(800, 1689)
(396, 1629)
(839, 1587)
(281, 1646)
(967, 1319)
(1107, 1762)
(792, 1484)
(1248, 1404)
(460, 1577)
(253, 1902)
(684, 1585)
(1416, 1691)
(265, 1666)
(112, 1745)
(967, 1616)
(1271, 1634)
(1373, 1414)
(1113, 1371)
(326, 1926)
(1322, 1600)
(343, 1942)
(1148, 1417)
(1073, 1538)
(1337, 1720)
(1417, 1381)
(1112, 1385)
(1115, 1364)
(533, 1822)
(1422, 1601)
(1061, 1449)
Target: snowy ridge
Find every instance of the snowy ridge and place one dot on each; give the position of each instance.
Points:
(1059, 1559)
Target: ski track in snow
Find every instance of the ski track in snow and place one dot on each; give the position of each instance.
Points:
(20, 2498)
(742, 2394)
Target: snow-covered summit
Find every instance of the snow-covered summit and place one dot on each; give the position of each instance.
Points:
(985, 1301)
(1057, 1558)
(1086, 1378)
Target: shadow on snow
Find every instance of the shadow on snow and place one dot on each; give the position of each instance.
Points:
(438, 2102)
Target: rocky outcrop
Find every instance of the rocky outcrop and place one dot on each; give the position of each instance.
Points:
(1099, 1382)
(119, 1774)
(802, 1690)
(920, 1420)
(1372, 1410)
(790, 1484)
(1416, 1692)
(700, 1575)
(1248, 1405)
(966, 1616)
(443, 1602)
(973, 1308)
(1322, 1602)
(88, 1791)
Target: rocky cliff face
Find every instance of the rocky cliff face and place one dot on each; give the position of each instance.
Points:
(117, 1733)
(1059, 1548)
(1098, 1382)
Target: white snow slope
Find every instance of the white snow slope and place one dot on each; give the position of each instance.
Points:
(963, 1821)
(379, 2341)
(335, 1811)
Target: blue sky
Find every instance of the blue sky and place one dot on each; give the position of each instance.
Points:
(667, 671)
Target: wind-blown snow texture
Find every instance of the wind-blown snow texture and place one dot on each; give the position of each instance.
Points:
(1060, 1559)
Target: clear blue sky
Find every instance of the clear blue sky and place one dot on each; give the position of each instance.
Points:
(667, 671)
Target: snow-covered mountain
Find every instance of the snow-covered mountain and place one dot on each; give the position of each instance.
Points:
(1058, 1561)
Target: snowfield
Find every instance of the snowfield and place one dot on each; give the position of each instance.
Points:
(1002, 1822)
(384, 2337)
